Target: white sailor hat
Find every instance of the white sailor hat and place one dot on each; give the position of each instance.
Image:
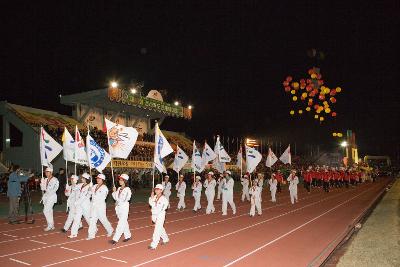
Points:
(166, 176)
(124, 176)
(74, 177)
(159, 186)
(210, 173)
(228, 172)
(181, 175)
(86, 175)
(101, 176)
(48, 169)
(198, 177)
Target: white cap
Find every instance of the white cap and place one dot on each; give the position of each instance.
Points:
(181, 175)
(245, 176)
(49, 169)
(198, 177)
(159, 186)
(74, 177)
(86, 175)
(166, 176)
(101, 176)
(228, 172)
(210, 173)
(124, 176)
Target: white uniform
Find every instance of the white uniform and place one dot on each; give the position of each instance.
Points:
(293, 182)
(219, 183)
(245, 189)
(167, 190)
(82, 207)
(197, 187)
(49, 198)
(98, 211)
(158, 208)
(272, 187)
(181, 189)
(71, 191)
(210, 194)
(122, 197)
(227, 196)
(255, 192)
(261, 185)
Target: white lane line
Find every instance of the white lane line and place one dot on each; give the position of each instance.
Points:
(234, 232)
(14, 236)
(111, 259)
(182, 231)
(292, 231)
(22, 262)
(70, 249)
(27, 237)
(39, 242)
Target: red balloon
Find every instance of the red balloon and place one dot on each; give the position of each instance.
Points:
(308, 80)
(308, 88)
(316, 106)
(319, 76)
(287, 88)
(285, 83)
(302, 81)
(332, 99)
(332, 92)
(321, 97)
(320, 82)
(310, 71)
(333, 114)
(289, 78)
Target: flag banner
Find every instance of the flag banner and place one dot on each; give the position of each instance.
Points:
(208, 154)
(121, 139)
(217, 164)
(80, 149)
(98, 157)
(161, 150)
(271, 158)
(49, 148)
(180, 159)
(253, 157)
(222, 154)
(239, 161)
(286, 157)
(68, 146)
(197, 160)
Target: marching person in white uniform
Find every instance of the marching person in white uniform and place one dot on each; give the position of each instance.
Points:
(167, 188)
(197, 187)
(82, 204)
(220, 182)
(293, 182)
(71, 191)
(159, 205)
(181, 190)
(122, 196)
(260, 183)
(209, 185)
(255, 192)
(227, 193)
(245, 187)
(49, 186)
(98, 209)
(273, 183)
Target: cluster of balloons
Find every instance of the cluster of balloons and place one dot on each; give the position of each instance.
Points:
(312, 95)
(337, 134)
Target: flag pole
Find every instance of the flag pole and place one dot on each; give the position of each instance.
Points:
(66, 171)
(111, 161)
(76, 144)
(40, 148)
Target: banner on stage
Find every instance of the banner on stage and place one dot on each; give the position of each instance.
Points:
(133, 164)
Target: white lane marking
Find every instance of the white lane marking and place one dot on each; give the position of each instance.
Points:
(74, 250)
(39, 242)
(14, 236)
(22, 262)
(111, 259)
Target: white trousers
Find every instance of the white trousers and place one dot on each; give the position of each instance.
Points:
(48, 213)
(219, 193)
(123, 225)
(98, 213)
(210, 202)
(70, 218)
(228, 198)
(80, 211)
(255, 204)
(197, 204)
(159, 232)
(167, 194)
(273, 194)
(293, 195)
(245, 195)
(181, 203)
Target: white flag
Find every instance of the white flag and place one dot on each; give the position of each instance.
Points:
(197, 160)
(253, 157)
(286, 156)
(80, 150)
(161, 149)
(271, 158)
(208, 154)
(222, 154)
(121, 139)
(99, 158)
(239, 162)
(180, 159)
(217, 164)
(49, 148)
(68, 146)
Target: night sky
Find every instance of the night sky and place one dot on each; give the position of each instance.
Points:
(227, 60)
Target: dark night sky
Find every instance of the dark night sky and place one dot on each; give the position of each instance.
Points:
(227, 60)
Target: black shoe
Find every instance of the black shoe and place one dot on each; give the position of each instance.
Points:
(164, 243)
(63, 230)
(112, 242)
(80, 228)
(150, 247)
(126, 239)
(14, 222)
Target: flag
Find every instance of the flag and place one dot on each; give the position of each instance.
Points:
(217, 164)
(208, 154)
(180, 159)
(80, 150)
(253, 157)
(49, 148)
(239, 162)
(98, 157)
(222, 154)
(271, 158)
(161, 150)
(68, 146)
(286, 157)
(121, 139)
(197, 160)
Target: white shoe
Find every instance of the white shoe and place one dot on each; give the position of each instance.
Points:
(110, 234)
(224, 214)
(72, 236)
(49, 229)
(89, 238)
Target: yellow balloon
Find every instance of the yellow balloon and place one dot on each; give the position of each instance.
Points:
(308, 108)
(313, 76)
(318, 111)
(293, 92)
(292, 112)
(321, 118)
(338, 89)
(296, 85)
(334, 134)
(325, 103)
(300, 111)
(327, 110)
(316, 116)
(295, 98)
(339, 134)
(327, 90)
(304, 95)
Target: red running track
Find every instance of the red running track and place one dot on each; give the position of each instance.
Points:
(285, 235)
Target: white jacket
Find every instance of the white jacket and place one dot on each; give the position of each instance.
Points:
(71, 191)
(293, 182)
(158, 207)
(245, 184)
(99, 196)
(210, 186)
(122, 196)
(83, 195)
(181, 188)
(167, 188)
(197, 187)
(227, 186)
(50, 188)
(255, 192)
(272, 184)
